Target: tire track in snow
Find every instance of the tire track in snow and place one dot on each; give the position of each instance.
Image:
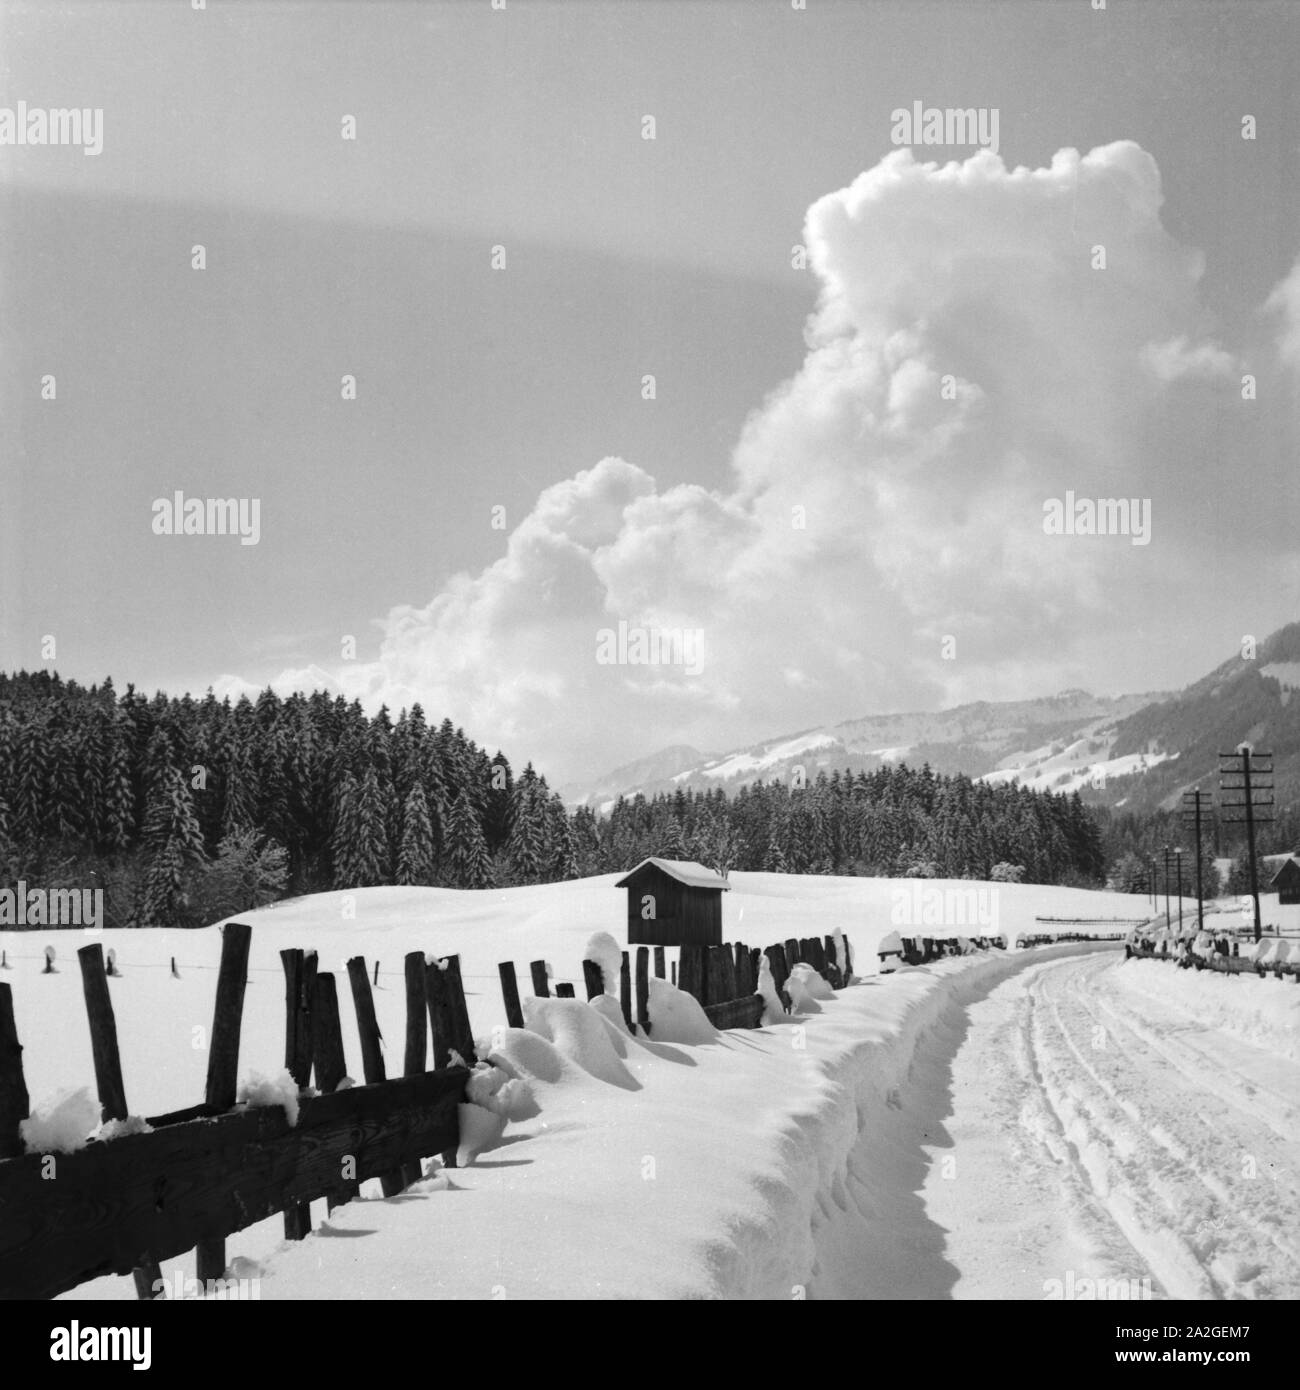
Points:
(1142, 1146)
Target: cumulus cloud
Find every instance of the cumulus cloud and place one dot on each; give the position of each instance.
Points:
(967, 360)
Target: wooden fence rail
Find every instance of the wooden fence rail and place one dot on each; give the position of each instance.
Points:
(195, 1176)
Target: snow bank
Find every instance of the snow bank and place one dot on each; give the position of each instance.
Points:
(676, 1017)
(63, 1124)
(805, 987)
(1263, 1012)
(579, 1033)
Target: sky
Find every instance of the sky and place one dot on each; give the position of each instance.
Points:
(873, 364)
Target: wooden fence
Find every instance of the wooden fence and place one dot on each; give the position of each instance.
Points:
(198, 1175)
(724, 980)
(121, 1205)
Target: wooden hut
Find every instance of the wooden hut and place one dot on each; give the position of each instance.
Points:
(1286, 882)
(673, 902)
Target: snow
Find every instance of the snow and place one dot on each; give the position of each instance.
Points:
(480, 1129)
(676, 1017)
(63, 1124)
(1286, 673)
(741, 764)
(280, 1089)
(773, 1009)
(608, 954)
(805, 988)
(690, 1163)
(117, 1129)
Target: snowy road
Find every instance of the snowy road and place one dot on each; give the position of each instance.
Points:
(1094, 1126)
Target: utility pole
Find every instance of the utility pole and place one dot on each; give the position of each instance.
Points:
(1195, 804)
(1178, 860)
(1167, 853)
(1246, 798)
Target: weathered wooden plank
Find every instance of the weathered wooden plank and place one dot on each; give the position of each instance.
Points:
(14, 1101)
(541, 985)
(625, 992)
(299, 1041)
(223, 1062)
(717, 972)
(329, 1062)
(594, 978)
(643, 988)
(103, 1032)
(691, 972)
(660, 972)
(510, 994)
(792, 956)
(743, 983)
(165, 1192)
(564, 991)
(417, 1038)
(462, 1033)
(372, 1056)
(736, 1013)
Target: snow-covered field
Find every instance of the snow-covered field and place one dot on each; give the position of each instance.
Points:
(954, 1129)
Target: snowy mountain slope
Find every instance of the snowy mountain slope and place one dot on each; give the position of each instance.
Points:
(972, 739)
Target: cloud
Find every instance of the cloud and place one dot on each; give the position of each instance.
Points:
(965, 362)
(1285, 303)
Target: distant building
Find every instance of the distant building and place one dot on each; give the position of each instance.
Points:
(1286, 882)
(673, 902)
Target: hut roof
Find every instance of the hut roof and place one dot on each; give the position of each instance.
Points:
(1286, 864)
(683, 870)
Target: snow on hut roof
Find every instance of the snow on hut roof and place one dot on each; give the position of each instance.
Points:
(685, 871)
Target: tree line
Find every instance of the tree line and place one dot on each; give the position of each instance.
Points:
(186, 810)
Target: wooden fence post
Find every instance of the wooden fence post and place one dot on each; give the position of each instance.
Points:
(833, 963)
(462, 1033)
(103, 1033)
(780, 971)
(541, 986)
(690, 977)
(564, 991)
(717, 971)
(625, 992)
(674, 974)
(743, 984)
(792, 956)
(223, 1064)
(643, 988)
(299, 1047)
(328, 1061)
(372, 1057)
(510, 993)
(376, 983)
(417, 1037)
(108, 1077)
(594, 978)
(660, 972)
(14, 1102)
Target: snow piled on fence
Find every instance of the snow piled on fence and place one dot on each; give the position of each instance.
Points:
(63, 1124)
